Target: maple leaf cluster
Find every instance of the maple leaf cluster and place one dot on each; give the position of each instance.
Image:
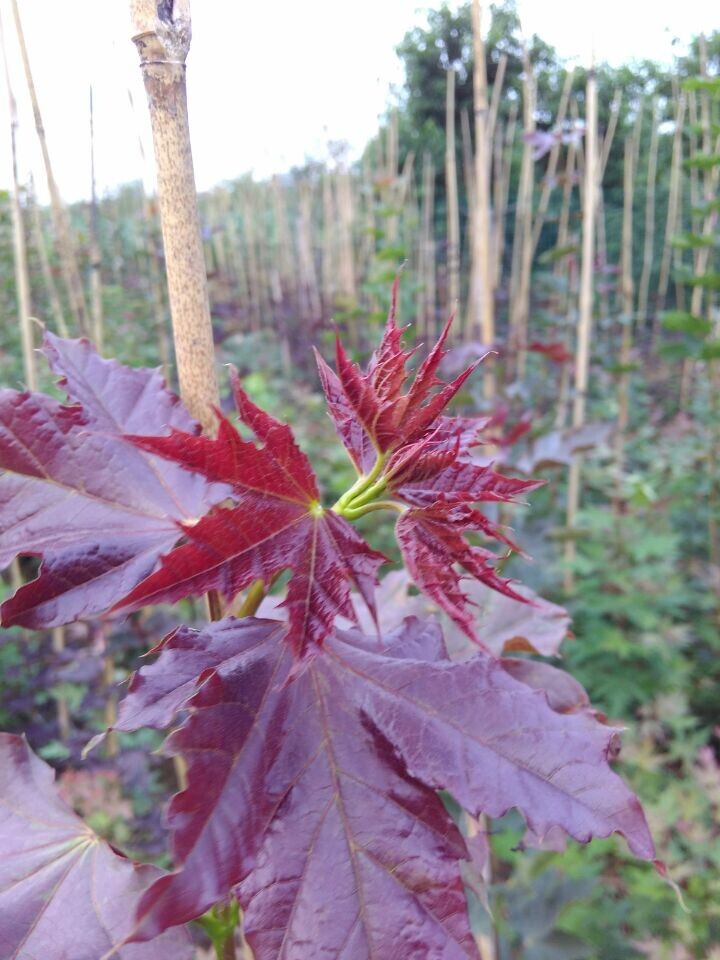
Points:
(315, 754)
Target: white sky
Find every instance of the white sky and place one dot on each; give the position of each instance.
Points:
(270, 83)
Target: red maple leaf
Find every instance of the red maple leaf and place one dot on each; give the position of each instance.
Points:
(277, 524)
(405, 445)
(314, 796)
(65, 894)
(76, 492)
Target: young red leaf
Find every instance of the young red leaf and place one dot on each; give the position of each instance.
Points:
(74, 491)
(370, 411)
(65, 894)
(422, 460)
(277, 525)
(432, 541)
(313, 795)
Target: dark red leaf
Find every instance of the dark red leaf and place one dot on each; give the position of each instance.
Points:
(65, 894)
(95, 507)
(432, 542)
(277, 525)
(368, 407)
(414, 454)
(313, 795)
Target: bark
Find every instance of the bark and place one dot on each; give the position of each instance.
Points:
(162, 34)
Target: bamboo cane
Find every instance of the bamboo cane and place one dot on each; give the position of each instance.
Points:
(22, 278)
(497, 90)
(451, 193)
(548, 184)
(628, 304)
(346, 247)
(564, 264)
(503, 194)
(481, 316)
(522, 241)
(428, 247)
(649, 235)
(329, 270)
(610, 133)
(284, 242)
(66, 247)
(673, 208)
(582, 354)
(38, 238)
(311, 308)
(96, 302)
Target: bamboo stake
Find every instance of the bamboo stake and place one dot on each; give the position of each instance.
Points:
(496, 96)
(428, 247)
(502, 195)
(673, 208)
(285, 251)
(22, 278)
(38, 236)
(610, 132)
(311, 309)
(563, 235)
(346, 252)
(481, 316)
(96, 304)
(522, 241)
(329, 269)
(628, 303)
(393, 160)
(66, 247)
(548, 184)
(162, 37)
(61, 705)
(152, 255)
(602, 253)
(582, 355)
(649, 236)
(451, 192)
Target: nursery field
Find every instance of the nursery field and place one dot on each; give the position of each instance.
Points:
(529, 767)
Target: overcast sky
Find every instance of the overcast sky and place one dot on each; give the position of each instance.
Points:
(269, 83)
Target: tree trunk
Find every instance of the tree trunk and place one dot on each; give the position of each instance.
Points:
(162, 37)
